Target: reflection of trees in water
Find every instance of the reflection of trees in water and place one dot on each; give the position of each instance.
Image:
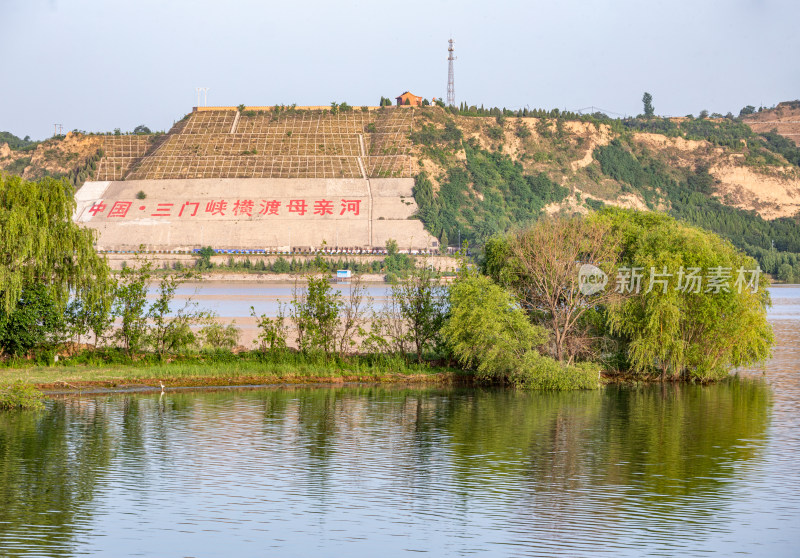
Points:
(52, 464)
(666, 452)
(676, 440)
(49, 472)
(325, 416)
(661, 453)
(316, 417)
(534, 436)
(347, 432)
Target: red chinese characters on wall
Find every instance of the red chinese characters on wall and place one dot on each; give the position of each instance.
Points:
(120, 209)
(350, 206)
(323, 207)
(270, 207)
(243, 207)
(97, 207)
(216, 207)
(185, 207)
(297, 206)
(223, 208)
(162, 210)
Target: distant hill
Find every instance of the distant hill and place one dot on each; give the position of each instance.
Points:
(71, 157)
(480, 172)
(16, 143)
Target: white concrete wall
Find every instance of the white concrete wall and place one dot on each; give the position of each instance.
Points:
(180, 214)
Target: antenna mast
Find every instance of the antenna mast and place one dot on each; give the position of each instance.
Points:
(451, 84)
(204, 91)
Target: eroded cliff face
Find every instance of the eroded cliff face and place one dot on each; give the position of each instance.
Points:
(783, 119)
(54, 157)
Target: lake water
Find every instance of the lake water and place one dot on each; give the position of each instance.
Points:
(233, 301)
(365, 471)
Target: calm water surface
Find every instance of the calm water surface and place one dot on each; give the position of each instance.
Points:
(233, 301)
(366, 471)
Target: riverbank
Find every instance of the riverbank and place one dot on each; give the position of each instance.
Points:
(227, 369)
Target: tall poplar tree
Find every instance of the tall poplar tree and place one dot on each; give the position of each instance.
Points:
(647, 101)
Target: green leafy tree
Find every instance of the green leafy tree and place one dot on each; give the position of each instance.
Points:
(37, 322)
(41, 245)
(748, 110)
(487, 329)
(93, 315)
(314, 309)
(271, 331)
(130, 306)
(280, 265)
(217, 336)
(422, 303)
(647, 102)
(444, 242)
(680, 333)
(171, 329)
(353, 310)
(785, 273)
(543, 270)
(40, 242)
(204, 260)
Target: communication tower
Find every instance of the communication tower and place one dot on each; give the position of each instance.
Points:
(451, 84)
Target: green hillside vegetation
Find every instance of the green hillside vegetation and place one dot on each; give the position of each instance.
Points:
(18, 144)
(487, 197)
(690, 200)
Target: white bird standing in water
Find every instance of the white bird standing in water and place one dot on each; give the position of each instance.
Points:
(162, 386)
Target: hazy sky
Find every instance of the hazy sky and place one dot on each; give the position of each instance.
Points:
(97, 65)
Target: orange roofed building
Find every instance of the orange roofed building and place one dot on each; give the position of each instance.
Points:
(409, 99)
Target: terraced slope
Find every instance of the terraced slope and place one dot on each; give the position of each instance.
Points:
(293, 143)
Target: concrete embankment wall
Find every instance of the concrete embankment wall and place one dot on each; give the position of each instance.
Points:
(159, 261)
(252, 213)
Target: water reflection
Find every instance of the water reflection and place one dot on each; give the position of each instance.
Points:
(357, 470)
(52, 465)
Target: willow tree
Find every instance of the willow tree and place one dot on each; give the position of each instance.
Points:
(666, 299)
(41, 245)
(699, 305)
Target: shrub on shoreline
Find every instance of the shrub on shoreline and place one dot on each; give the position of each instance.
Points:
(22, 396)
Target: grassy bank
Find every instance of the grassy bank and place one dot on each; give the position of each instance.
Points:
(112, 369)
